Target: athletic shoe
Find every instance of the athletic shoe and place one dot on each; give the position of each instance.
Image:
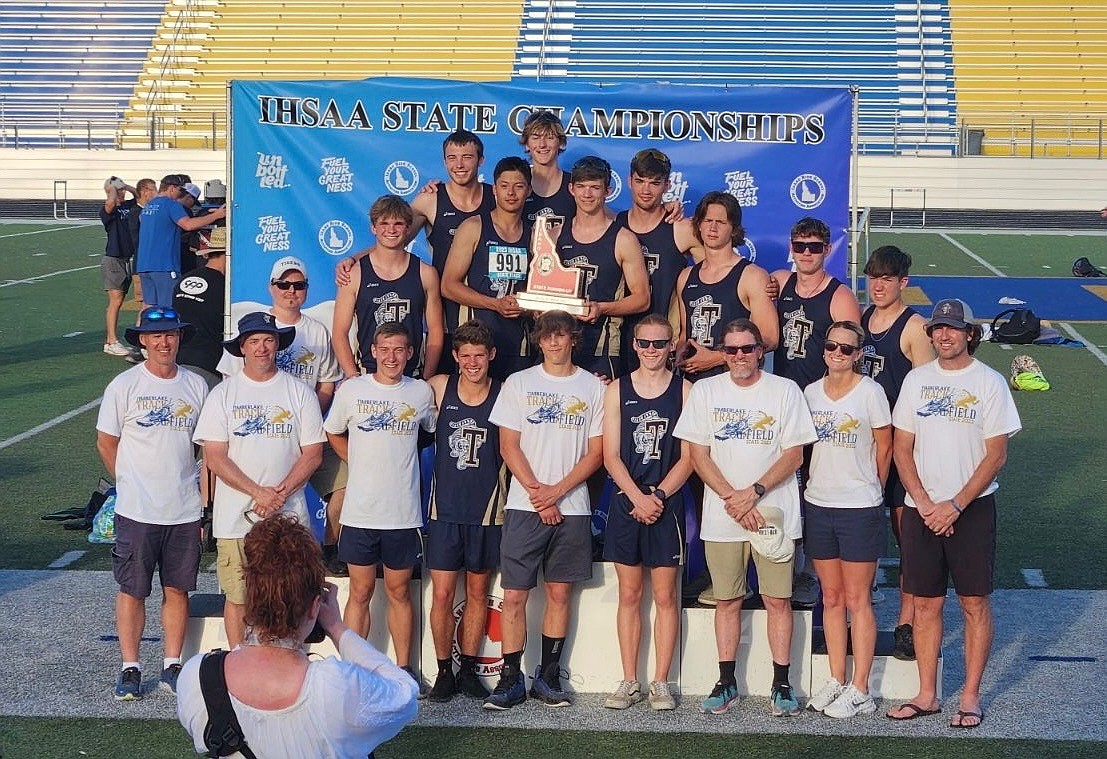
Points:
(850, 703)
(826, 695)
(134, 356)
(805, 590)
(418, 681)
(168, 680)
(116, 349)
(549, 693)
(723, 696)
(507, 693)
(782, 702)
(904, 648)
(661, 698)
(707, 597)
(335, 567)
(129, 685)
(469, 683)
(625, 696)
(445, 686)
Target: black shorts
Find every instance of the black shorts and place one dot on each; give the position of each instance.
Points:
(472, 547)
(140, 548)
(628, 541)
(396, 549)
(846, 534)
(968, 556)
(563, 551)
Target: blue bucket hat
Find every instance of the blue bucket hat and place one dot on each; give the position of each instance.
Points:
(255, 322)
(158, 319)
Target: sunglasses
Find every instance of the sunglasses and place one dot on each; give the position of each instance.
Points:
(159, 314)
(643, 343)
(734, 350)
(280, 284)
(817, 248)
(847, 350)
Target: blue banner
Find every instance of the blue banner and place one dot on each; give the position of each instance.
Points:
(308, 158)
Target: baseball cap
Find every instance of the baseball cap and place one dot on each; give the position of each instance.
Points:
(951, 312)
(192, 189)
(255, 322)
(115, 182)
(158, 319)
(770, 541)
(212, 240)
(179, 180)
(285, 265)
(214, 189)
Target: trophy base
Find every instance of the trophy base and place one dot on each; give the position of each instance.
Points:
(542, 302)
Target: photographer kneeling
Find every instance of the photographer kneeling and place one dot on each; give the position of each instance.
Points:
(287, 705)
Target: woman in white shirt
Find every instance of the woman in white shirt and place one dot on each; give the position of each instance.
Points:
(844, 529)
(287, 705)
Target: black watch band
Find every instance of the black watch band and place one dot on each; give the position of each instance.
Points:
(759, 489)
(661, 494)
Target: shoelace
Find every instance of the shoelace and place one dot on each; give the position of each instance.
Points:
(626, 688)
(660, 689)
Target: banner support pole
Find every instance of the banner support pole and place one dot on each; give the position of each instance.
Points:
(854, 234)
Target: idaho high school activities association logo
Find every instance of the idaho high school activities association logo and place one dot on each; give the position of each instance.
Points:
(490, 659)
(401, 178)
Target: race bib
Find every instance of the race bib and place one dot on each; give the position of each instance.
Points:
(507, 262)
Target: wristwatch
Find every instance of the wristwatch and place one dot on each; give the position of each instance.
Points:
(661, 494)
(759, 489)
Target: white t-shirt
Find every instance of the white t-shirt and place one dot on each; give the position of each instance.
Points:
(265, 425)
(746, 429)
(383, 422)
(310, 358)
(346, 708)
(843, 463)
(555, 417)
(951, 413)
(155, 468)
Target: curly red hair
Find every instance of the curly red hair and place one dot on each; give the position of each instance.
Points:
(284, 575)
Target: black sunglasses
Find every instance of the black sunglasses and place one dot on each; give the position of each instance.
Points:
(280, 284)
(847, 350)
(818, 248)
(734, 350)
(157, 314)
(643, 343)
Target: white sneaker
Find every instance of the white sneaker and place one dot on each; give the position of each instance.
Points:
(850, 703)
(626, 695)
(826, 695)
(116, 349)
(661, 698)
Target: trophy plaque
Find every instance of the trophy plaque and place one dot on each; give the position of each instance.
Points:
(550, 284)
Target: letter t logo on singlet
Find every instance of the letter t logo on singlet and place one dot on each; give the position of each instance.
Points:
(703, 320)
(647, 438)
(796, 330)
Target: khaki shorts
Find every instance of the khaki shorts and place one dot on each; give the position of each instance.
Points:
(728, 563)
(230, 559)
(332, 474)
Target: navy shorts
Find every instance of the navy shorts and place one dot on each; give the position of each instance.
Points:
(846, 534)
(452, 547)
(968, 556)
(628, 541)
(562, 551)
(396, 549)
(140, 548)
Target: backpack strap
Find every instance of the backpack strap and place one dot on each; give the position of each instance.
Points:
(1000, 315)
(223, 735)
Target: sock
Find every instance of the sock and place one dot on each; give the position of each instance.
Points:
(780, 673)
(444, 666)
(512, 663)
(170, 660)
(726, 672)
(129, 664)
(551, 658)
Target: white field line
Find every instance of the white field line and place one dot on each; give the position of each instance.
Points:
(47, 425)
(972, 255)
(9, 283)
(1034, 578)
(45, 231)
(65, 559)
(1092, 347)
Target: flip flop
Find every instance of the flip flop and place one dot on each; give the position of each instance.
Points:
(961, 714)
(916, 712)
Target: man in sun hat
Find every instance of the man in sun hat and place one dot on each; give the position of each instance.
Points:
(144, 437)
(262, 434)
(952, 419)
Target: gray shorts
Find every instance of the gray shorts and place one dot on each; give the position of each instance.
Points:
(140, 548)
(115, 273)
(563, 551)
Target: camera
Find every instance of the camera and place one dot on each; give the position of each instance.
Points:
(317, 634)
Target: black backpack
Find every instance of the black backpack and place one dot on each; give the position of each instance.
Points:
(1082, 267)
(1023, 326)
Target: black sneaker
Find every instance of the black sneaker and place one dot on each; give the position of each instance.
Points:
(547, 688)
(168, 681)
(470, 684)
(334, 567)
(444, 688)
(129, 685)
(904, 648)
(510, 691)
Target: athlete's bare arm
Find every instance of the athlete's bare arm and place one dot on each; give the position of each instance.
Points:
(915, 343)
(628, 253)
(751, 292)
(344, 301)
(458, 261)
(844, 306)
(436, 324)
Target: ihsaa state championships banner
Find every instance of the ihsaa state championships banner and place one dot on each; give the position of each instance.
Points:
(308, 158)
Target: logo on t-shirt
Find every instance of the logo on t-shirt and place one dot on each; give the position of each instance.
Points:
(837, 429)
(465, 443)
(649, 433)
(745, 425)
(162, 411)
(565, 412)
(395, 417)
(951, 403)
(299, 362)
(261, 420)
